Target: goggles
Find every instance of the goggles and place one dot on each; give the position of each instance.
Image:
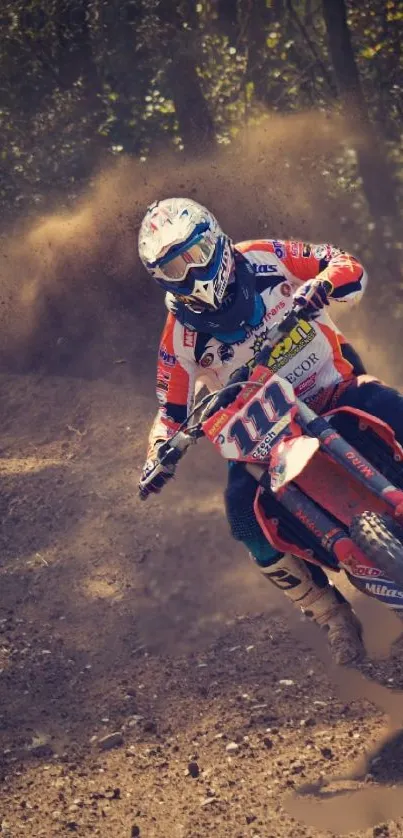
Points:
(197, 255)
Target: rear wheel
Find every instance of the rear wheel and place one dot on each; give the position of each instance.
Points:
(381, 539)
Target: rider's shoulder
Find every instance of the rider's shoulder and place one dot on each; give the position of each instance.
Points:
(253, 245)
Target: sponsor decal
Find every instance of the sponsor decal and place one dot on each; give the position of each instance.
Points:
(359, 464)
(294, 248)
(162, 385)
(306, 250)
(326, 251)
(271, 312)
(189, 338)
(220, 285)
(330, 437)
(305, 386)
(265, 270)
(166, 357)
(286, 289)
(298, 338)
(310, 525)
(283, 579)
(267, 443)
(207, 360)
(279, 249)
(383, 588)
(225, 352)
(365, 571)
(219, 422)
(321, 251)
(162, 389)
(221, 282)
(302, 368)
(163, 379)
(258, 344)
(255, 329)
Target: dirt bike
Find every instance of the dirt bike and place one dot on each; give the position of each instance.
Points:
(329, 488)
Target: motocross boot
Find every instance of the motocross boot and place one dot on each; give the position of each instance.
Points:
(308, 587)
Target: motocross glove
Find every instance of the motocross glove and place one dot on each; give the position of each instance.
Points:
(313, 295)
(155, 474)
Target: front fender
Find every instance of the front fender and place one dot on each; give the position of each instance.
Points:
(289, 458)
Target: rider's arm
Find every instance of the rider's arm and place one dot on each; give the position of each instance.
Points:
(323, 261)
(176, 375)
(301, 262)
(346, 274)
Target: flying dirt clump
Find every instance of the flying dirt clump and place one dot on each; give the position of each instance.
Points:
(72, 287)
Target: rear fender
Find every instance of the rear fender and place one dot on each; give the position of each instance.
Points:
(366, 420)
(393, 496)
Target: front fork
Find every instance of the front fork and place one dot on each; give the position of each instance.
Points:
(333, 538)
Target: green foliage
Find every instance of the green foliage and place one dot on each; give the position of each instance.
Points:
(85, 80)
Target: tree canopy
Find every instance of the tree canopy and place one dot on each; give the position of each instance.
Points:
(86, 82)
(82, 79)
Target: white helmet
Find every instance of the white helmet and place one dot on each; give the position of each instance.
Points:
(183, 247)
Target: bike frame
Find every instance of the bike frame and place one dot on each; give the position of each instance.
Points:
(319, 478)
(313, 479)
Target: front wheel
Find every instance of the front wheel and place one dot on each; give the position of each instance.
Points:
(381, 539)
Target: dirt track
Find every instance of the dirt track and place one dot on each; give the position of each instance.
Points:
(146, 620)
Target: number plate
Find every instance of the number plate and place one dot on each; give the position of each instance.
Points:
(258, 418)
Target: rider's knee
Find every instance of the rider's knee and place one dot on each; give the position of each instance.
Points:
(262, 553)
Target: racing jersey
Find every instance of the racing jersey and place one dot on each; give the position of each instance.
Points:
(312, 357)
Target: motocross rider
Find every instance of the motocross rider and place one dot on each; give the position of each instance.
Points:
(221, 298)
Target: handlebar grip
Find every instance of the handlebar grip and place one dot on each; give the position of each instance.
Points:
(168, 454)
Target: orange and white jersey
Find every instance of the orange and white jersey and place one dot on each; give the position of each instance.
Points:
(312, 358)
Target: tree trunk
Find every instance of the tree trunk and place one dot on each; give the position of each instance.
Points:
(196, 126)
(377, 180)
(257, 17)
(75, 57)
(228, 21)
(378, 185)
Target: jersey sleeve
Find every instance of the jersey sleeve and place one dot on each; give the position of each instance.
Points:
(302, 261)
(176, 376)
(323, 261)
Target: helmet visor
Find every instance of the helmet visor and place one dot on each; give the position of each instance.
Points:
(197, 255)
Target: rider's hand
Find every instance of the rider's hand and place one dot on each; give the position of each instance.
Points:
(313, 295)
(154, 475)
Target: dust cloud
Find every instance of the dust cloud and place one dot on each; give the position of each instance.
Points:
(75, 298)
(73, 292)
